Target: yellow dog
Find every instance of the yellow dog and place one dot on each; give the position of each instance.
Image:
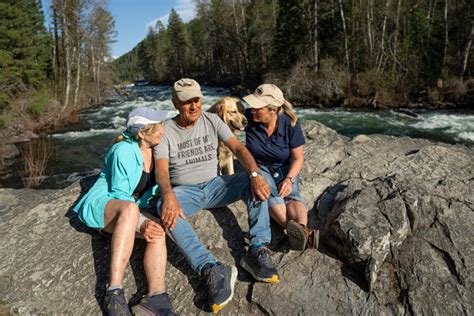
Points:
(230, 111)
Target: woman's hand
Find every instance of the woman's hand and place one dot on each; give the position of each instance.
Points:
(285, 187)
(151, 230)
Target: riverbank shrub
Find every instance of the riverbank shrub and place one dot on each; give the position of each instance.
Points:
(373, 88)
(451, 90)
(304, 86)
(38, 102)
(35, 155)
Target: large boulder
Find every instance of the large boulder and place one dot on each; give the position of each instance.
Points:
(395, 216)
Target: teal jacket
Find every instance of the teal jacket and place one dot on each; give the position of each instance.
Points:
(123, 167)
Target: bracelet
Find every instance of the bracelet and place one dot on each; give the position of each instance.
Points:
(292, 179)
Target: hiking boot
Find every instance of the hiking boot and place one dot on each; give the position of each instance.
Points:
(159, 305)
(220, 279)
(115, 303)
(302, 237)
(259, 264)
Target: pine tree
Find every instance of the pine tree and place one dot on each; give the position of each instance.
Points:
(292, 37)
(178, 46)
(24, 58)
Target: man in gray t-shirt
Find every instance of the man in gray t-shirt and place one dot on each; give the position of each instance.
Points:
(192, 152)
(186, 172)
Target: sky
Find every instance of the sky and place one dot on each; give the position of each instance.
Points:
(133, 18)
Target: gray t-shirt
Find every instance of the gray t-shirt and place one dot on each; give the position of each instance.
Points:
(192, 153)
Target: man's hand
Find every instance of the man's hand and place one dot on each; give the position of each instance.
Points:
(171, 210)
(260, 188)
(151, 230)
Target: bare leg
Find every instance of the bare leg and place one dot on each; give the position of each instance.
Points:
(121, 219)
(155, 265)
(278, 214)
(297, 211)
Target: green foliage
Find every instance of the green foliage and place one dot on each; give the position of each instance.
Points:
(178, 46)
(24, 55)
(291, 41)
(4, 101)
(2, 122)
(395, 48)
(38, 103)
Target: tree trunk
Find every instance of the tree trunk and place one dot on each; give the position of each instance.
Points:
(346, 40)
(315, 40)
(431, 9)
(396, 32)
(77, 48)
(274, 11)
(67, 56)
(466, 51)
(56, 55)
(78, 77)
(382, 40)
(93, 65)
(239, 40)
(369, 29)
(98, 81)
(446, 39)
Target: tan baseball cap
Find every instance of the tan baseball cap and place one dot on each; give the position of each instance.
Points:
(265, 94)
(186, 89)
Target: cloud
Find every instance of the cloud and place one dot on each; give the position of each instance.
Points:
(185, 9)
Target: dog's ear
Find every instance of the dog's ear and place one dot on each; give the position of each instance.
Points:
(215, 107)
(240, 107)
(219, 109)
(222, 111)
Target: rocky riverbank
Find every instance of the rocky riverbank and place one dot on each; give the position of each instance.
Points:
(396, 218)
(12, 136)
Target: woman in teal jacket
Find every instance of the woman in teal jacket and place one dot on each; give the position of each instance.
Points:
(113, 205)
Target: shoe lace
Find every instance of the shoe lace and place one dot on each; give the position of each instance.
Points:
(213, 278)
(263, 256)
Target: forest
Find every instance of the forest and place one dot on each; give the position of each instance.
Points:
(321, 52)
(55, 61)
(49, 71)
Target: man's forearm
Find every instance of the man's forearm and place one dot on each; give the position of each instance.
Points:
(163, 179)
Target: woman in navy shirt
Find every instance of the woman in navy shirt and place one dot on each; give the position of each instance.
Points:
(275, 139)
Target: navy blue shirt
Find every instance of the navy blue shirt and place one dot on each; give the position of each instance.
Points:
(277, 147)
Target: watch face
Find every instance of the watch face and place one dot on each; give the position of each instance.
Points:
(254, 174)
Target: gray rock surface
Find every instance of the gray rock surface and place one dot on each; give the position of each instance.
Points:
(396, 218)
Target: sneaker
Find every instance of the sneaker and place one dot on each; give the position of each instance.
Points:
(159, 304)
(301, 237)
(259, 264)
(220, 280)
(115, 303)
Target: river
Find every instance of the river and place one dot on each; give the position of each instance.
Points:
(79, 150)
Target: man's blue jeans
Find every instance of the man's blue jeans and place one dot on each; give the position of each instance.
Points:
(218, 192)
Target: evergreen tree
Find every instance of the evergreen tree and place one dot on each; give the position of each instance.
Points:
(292, 35)
(178, 46)
(24, 57)
(369, 48)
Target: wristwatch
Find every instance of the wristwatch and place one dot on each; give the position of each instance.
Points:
(255, 174)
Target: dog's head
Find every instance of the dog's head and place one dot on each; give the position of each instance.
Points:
(231, 112)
